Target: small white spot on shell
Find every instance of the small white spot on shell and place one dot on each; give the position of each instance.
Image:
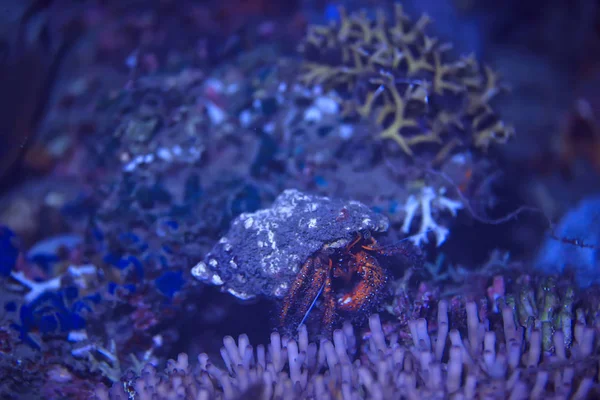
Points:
(216, 280)
(248, 223)
(199, 271)
(281, 290)
(213, 263)
(312, 223)
(271, 236)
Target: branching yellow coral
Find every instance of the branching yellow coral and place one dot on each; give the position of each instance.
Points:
(387, 66)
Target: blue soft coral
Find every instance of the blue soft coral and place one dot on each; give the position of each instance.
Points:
(582, 224)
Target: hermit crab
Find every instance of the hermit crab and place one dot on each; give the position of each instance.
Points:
(349, 280)
(304, 250)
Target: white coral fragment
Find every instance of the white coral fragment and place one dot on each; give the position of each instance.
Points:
(36, 289)
(424, 204)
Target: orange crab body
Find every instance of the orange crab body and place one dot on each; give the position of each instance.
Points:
(349, 280)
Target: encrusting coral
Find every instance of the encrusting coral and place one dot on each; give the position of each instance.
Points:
(401, 79)
(485, 363)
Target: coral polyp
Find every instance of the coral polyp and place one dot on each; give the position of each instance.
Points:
(481, 361)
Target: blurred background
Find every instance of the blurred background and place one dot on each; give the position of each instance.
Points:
(133, 132)
(546, 53)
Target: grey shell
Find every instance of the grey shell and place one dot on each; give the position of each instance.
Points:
(263, 251)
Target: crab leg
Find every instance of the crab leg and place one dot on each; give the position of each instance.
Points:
(373, 279)
(329, 305)
(305, 288)
(389, 251)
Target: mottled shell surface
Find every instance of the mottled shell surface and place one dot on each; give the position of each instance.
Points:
(263, 251)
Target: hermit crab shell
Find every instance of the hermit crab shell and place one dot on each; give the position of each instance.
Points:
(263, 251)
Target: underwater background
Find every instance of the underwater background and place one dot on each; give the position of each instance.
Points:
(302, 199)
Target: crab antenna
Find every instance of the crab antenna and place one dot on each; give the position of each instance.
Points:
(410, 237)
(312, 305)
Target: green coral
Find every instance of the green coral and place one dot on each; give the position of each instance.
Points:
(548, 304)
(396, 74)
